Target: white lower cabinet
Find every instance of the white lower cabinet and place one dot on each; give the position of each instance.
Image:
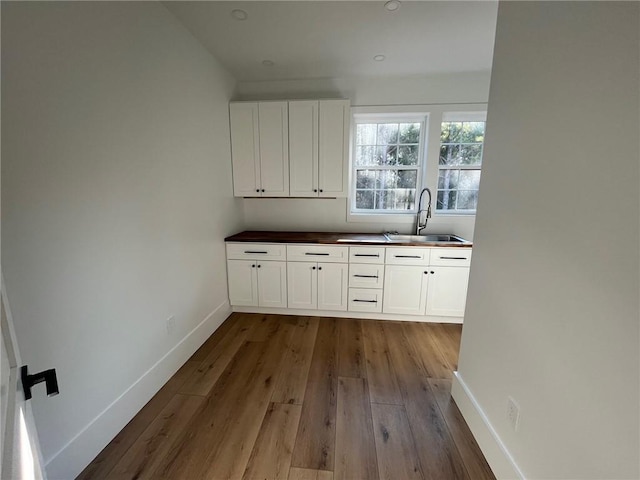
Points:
(412, 281)
(405, 289)
(447, 292)
(257, 283)
(315, 285)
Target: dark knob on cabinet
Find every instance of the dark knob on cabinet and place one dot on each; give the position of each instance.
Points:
(319, 268)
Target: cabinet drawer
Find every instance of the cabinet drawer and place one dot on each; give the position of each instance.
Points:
(253, 251)
(365, 300)
(366, 276)
(407, 256)
(453, 257)
(366, 254)
(319, 253)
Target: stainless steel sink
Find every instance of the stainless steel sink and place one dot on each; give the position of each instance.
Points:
(425, 238)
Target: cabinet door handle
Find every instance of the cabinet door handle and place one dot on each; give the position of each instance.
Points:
(365, 301)
(315, 190)
(366, 276)
(256, 251)
(454, 258)
(258, 190)
(407, 256)
(321, 190)
(259, 266)
(366, 255)
(253, 266)
(311, 253)
(426, 273)
(262, 190)
(319, 268)
(313, 268)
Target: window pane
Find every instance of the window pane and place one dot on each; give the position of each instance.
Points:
(450, 155)
(450, 132)
(405, 198)
(366, 134)
(386, 155)
(407, 179)
(364, 156)
(471, 154)
(448, 179)
(467, 199)
(387, 179)
(409, 132)
(408, 155)
(472, 132)
(446, 200)
(387, 133)
(469, 180)
(364, 199)
(365, 179)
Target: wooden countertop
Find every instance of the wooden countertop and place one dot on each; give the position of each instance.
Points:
(335, 238)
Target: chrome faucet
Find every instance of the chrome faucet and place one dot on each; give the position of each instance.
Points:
(421, 226)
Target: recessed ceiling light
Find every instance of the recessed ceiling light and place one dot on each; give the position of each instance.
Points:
(392, 5)
(239, 14)
(379, 58)
(268, 63)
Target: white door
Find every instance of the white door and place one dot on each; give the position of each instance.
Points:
(245, 145)
(333, 286)
(20, 456)
(405, 289)
(302, 285)
(333, 147)
(272, 284)
(273, 123)
(303, 148)
(447, 294)
(243, 282)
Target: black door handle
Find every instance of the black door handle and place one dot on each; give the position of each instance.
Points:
(49, 377)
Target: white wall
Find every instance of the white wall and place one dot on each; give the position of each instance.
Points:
(331, 214)
(116, 197)
(552, 314)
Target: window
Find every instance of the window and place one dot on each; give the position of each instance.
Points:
(387, 163)
(459, 164)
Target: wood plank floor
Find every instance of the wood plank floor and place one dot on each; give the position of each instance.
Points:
(275, 397)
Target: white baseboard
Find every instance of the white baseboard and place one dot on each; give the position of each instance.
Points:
(500, 460)
(338, 314)
(83, 448)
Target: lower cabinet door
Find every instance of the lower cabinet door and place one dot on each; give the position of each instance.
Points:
(447, 295)
(405, 289)
(333, 286)
(272, 284)
(243, 282)
(302, 285)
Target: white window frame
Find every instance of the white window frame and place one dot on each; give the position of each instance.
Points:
(386, 115)
(457, 117)
(428, 176)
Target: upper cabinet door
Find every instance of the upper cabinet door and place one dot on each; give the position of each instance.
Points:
(303, 148)
(333, 148)
(273, 121)
(244, 149)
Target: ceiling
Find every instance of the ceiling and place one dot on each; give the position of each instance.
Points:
(333, 39)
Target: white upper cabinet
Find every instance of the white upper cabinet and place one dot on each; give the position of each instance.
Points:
(333, 147)
(318, 147)
(290, 149)
(260, 149)
(245, 145)
(303, 148)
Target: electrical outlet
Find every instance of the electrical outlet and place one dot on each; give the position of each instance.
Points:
(171, 325)
(513, 413)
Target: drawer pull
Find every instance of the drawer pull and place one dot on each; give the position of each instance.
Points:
(365, 301)
(366, 255)
(408, 256)
(454, 258)
(366, 276)
(311, 253)
(256, 251)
